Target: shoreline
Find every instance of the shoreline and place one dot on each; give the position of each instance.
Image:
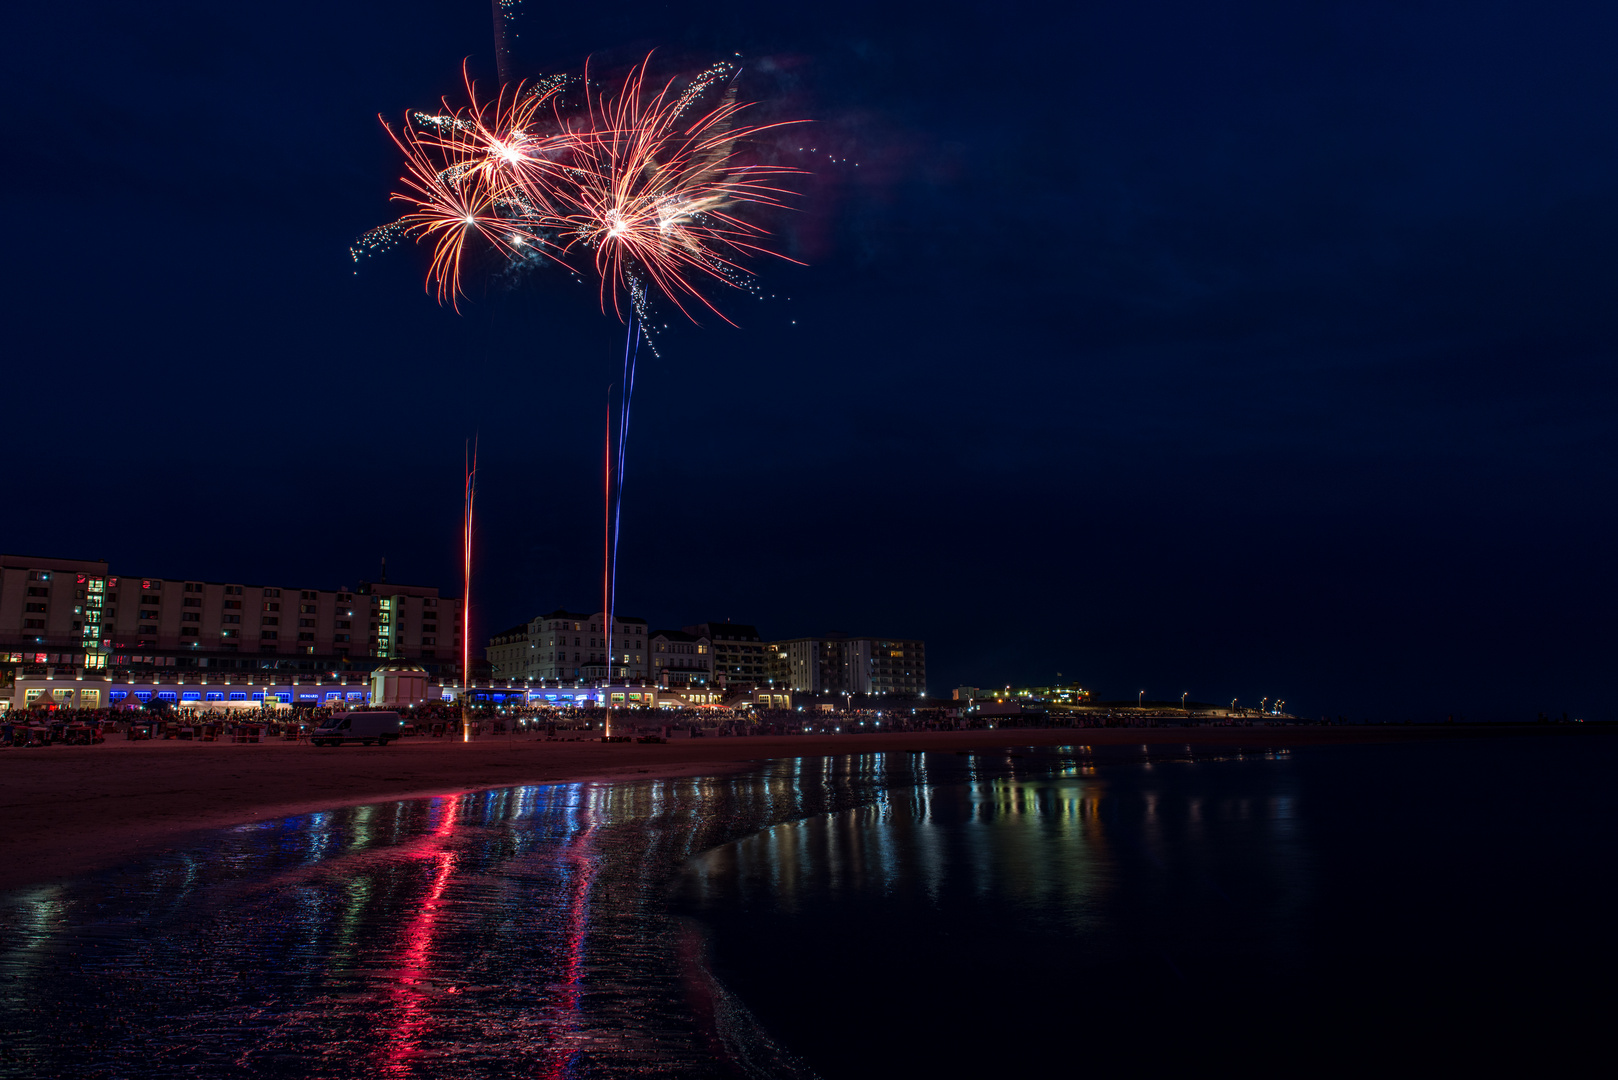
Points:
(71, 811)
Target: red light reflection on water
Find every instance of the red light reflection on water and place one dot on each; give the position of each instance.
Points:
(404, 1041)
(564, 1051)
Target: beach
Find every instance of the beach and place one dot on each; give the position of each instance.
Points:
(72, 810)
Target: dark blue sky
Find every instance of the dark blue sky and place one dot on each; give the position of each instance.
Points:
(1244, 349)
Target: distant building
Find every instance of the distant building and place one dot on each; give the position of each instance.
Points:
(510, 653)
(1070, 694)
(680, 659)
(566, 646)
(739, 655)
(840, 664)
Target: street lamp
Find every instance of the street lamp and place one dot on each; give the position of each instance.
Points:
(1183, 696)
(1140, 699)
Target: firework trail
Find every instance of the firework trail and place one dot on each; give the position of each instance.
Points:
(471, 463)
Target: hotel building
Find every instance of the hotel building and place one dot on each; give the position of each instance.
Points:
(76, 613)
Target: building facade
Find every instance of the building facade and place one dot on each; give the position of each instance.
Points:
(740, 658)
(840, 664)
(566, 646)
(77, 612)
(680, 659)
(510, 653)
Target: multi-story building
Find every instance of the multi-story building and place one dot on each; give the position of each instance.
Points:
(839, 664)
(739, 656)
(510, 653)
(104, 619)
(680, 659)
(566, 646)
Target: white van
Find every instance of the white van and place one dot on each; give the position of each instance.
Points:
(378, 728)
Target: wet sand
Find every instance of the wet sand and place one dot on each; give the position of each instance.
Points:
(68, 810)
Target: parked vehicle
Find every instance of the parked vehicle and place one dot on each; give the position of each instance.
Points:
(366, 728)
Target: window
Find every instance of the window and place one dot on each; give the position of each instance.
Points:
(344, 598)
(34, 624)
(191, 601)
(190, 631)
(39, 575)
(36, 590)
(429, 602)
(232, 618)
(233, 590)
(270, 620)
(146, 630)
(343, 624)
(430, 627)
(429, 641)
(271, 607)
(272, 592)
(306, 622)
(306, 595)
(40, 608)
(306, 637)
(268, 635)
(151, 584)
(148, 614)
(191, 616)
(307, 609)
(229, 633)
(339, 637)
(193, 586)
(233, 603)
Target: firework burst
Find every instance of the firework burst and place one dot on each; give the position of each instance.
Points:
(657, 194)
(643, 179)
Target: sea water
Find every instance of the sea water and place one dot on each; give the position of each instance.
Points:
(1141, 910)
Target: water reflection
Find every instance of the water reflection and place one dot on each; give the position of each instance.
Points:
(531, 928)
(464, 935)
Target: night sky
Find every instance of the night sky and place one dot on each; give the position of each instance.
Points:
(1243, 349)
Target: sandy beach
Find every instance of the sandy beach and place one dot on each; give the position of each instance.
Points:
(70, 810)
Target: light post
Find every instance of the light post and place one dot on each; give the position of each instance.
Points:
(1183, 696)
(1140, 699)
